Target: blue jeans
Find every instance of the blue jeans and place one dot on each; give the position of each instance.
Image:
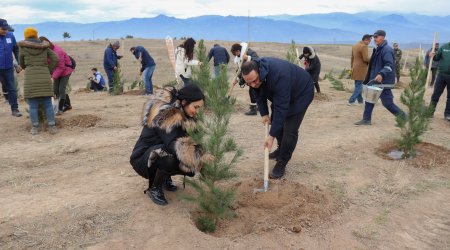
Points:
(110, 74)
(357, 93)
(7, 76)
(387, 98)
(186, 81)
(147, 75)
(217, 69)
(48, 107)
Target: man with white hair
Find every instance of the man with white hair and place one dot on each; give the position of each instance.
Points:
(110, 61)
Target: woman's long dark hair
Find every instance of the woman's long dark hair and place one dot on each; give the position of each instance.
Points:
(189, 45)
(43, 38)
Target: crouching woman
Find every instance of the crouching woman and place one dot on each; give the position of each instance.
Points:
(164, 147)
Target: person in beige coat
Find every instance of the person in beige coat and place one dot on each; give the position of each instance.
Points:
(359, 64)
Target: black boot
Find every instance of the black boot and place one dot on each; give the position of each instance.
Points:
(67, 104)
(252, 110)
(60, 106)
(169, 185)
(278, 171)
(156, 193)
(274, 154)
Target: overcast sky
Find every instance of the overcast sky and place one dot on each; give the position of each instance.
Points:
(88, 11)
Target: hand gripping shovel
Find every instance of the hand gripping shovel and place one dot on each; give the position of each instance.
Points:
(266, 164)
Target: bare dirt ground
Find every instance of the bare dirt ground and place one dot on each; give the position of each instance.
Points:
(76, 189)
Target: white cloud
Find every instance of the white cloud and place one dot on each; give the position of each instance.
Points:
(30, 11)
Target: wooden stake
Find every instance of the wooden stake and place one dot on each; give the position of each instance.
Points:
(266, 159)
(428, 82)
(406, 60)
(298, 56)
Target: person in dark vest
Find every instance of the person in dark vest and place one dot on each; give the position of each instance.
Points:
(164, 147)
(312, 65)
(290, 89)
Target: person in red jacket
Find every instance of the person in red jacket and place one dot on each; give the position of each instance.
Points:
(60, 75)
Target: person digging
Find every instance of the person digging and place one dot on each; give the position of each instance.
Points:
(290, 90)
(164, 147)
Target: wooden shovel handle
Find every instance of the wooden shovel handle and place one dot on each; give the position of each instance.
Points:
(266, 154)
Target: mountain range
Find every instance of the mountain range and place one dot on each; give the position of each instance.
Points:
(342, 28)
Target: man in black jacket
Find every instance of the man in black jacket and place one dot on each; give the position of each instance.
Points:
(312, 65)
(220, 55)
(290, 89)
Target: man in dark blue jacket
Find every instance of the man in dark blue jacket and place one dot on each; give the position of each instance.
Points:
(291, 91)
(8, 47)
(110, 61)
(220, 55)
(148, 66)
(381, 71)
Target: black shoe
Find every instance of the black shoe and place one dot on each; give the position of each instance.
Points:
(169, 185)
(157, 196)
(252, 110)
(277, 171)
(363, 122)
(65, 108)
(16, 113)
(274, 154)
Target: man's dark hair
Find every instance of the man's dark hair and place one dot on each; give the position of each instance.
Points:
(132, 49)
(235, 47)
(248, 67)
(94, 69)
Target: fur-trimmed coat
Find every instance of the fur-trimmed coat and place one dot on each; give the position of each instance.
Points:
(164, 132)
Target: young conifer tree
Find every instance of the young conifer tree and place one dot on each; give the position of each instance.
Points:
(416, 122)
(118, 81)
(214, 199)
(291, 55)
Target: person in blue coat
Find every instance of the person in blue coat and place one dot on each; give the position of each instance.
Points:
(8, 48)
(381, 71)
(110, 62)
(290, 89)
(220, 55)
(148, 66)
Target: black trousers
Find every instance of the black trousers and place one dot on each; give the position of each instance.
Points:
(252, 94)
(442, 82)
(287, 139)
(433, 75)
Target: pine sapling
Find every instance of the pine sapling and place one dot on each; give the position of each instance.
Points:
(118, 81)
(291, 55)
(214, 200)
(418, 116)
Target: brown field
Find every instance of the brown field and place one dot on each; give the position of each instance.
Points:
(76, 189)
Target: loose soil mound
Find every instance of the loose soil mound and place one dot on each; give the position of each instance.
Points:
(82, 90)
(428, 155)
(287, 205)
(135, 92)
(321, 97)
(82, 121)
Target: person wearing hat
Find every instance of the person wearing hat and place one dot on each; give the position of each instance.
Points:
(290, 89)
(38, 60)
(381, 71)
(312, 65)
(8, 48)
(398, 58)
(434, 64)
(110, 62)
(164, 147)
(443, 79)
(359, 64)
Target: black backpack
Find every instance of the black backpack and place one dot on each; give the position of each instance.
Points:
(74, 63)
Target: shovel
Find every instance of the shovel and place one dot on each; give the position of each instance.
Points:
(266, 164)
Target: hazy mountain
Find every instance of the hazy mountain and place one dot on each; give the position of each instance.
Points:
(335, 27)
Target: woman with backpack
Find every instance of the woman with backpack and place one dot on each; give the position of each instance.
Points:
(164, 147)
(60, 76)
